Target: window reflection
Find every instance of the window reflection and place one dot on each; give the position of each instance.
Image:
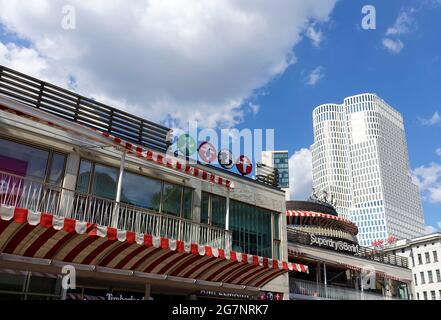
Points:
(171, 199)
(105, 180)
(57, 169)
(141, 191)
(23, 160)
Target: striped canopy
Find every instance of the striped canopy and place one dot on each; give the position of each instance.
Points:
(44, 236)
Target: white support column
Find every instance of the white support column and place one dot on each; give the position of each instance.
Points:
(147, 291)
(115, 215)
(227, 215)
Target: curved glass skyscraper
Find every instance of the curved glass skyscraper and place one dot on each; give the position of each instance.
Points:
(360, 158)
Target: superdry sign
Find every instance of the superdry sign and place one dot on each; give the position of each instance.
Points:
(329, 243)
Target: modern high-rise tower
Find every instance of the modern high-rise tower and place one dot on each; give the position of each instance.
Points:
(360, 157)
(279, 160)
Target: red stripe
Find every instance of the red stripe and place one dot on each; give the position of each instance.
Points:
(239, 268)
(91, 256)
(80, 247)
(184, 265)
(252, 278)
(232, 277)
(196, 267)
(129, 257)
(20, 215)
(142, 259)
(4, 224)
(37, 244)
(112, 254)
(18, 238)
(58, 245)
(268, 278)
(46, 220)
(173, 263)
(158, 260)
(214, 275)
(209, 268)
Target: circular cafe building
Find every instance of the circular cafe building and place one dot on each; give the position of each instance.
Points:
(339, 268)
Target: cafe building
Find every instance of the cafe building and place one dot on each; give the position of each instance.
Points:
(91, 187)
(339, 268)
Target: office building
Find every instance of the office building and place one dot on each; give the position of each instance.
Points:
(360, 158)
(280, 161)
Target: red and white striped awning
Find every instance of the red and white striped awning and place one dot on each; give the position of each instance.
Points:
(138, 151)
(321, 219)
(44, 236)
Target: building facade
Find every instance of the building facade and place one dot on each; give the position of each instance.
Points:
(339, 268)
(423, 254)
(280, 161)
(88, 186)
(360, 157)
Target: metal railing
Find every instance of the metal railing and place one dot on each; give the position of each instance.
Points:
(37, 196)
(85, 111)
(302, 237)
(299, 288)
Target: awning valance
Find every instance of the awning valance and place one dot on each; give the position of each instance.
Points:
(325, 220)
(44, 236)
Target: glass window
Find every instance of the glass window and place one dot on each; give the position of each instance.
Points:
(435, 256)
(205, 207)
(430, 275)
(141, 191)
(84, 176)
(251, 227)
(427, 257)
(433, 294)
(171, 199)
(23, 160)
(438, 275)
(218, 211)
(423, 280)
(105, 180)
(57, 169)
(420, 259)
(213, 209)
(187, 203)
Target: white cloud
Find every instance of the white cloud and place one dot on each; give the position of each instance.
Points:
(439, 224)
(316, 36)
(438, 152)
(300, 174)
(430, 229)
(254, 108)
(180, 59)
(315, 76)
(393, 46)
(435, 119)
(404, 24)
(428, 178)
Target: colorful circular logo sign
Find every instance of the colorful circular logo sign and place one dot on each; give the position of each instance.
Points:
(244, 165)
(225, 158)
(186, 145)
(207, 152)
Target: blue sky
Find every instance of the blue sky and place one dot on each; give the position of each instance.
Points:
(208, 62)
(355, 61)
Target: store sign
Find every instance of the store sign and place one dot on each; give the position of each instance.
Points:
(270, 296)
(329, 243)
(244, 165)
(207, 152)
(115, 297)
(225, 158)
(224, 295)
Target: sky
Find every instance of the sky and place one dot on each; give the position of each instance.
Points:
(243, 64)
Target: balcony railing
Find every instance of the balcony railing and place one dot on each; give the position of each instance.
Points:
(298, 236)
(303, 288)
(42, 197)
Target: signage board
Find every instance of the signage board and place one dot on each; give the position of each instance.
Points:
(337, 245)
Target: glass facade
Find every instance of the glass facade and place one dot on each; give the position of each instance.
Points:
(31, 162)
(27, 286)
(137, 190)
(252, 229)
(281, 160)
(214, 210)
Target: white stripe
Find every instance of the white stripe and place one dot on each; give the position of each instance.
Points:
(58, 222)
(80, 227)
(6, 212)
(121, 235)
(33, 218)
